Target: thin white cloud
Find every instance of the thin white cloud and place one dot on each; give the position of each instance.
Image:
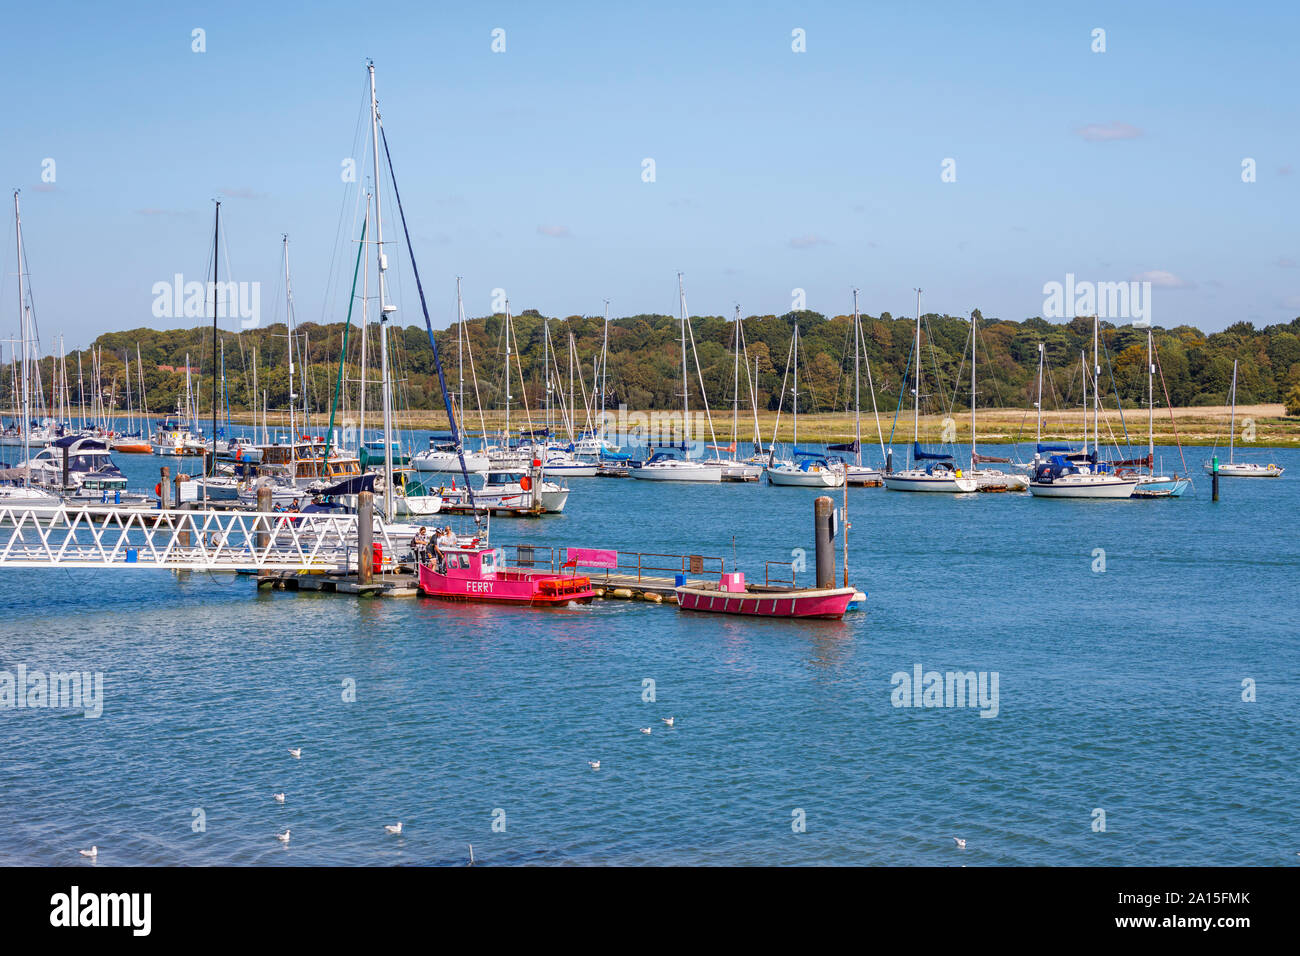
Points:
(1285, 263)
(1161, 279)
(808, 242)
(240, 192)
(1105, 132)
(555, 232)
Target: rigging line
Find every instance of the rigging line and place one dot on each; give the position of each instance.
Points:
(1168, 404)
(363, 110)
(428, 325)
(1110, 368)
(902, 391)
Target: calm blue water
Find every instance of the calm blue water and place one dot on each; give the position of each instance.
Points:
(1118, 690)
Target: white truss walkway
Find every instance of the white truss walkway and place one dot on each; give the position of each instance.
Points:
(101, 537)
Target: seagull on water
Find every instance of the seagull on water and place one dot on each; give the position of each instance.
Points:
(283, 837)
(668, 720)
(593, 764)
(645, 730)
(295, 753)
(92, 852)
(279, 797)
(961, 844)
(393, 829)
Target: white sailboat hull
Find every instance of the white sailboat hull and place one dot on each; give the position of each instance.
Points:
(1084, 486)
(918, 480)
(813, 478)
(697, 471)
(1241, 469)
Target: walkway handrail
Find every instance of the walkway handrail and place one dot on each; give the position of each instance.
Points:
(181, 539)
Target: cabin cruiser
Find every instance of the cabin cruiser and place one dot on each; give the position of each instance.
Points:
(83, 469)
(509, 489)
(173, 440)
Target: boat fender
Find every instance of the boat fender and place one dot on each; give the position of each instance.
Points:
(653, 598)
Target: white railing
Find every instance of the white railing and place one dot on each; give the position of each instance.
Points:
(98, 537)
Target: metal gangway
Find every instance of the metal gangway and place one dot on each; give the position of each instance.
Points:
(183, 540)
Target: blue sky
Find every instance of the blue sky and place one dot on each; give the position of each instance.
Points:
(775, 170)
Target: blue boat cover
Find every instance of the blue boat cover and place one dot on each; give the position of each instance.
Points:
(920, 454)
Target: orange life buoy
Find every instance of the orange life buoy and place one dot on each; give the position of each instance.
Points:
(525, 482)
(157, 489)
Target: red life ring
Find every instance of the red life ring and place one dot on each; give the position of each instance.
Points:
(157, 489)
(525, 482)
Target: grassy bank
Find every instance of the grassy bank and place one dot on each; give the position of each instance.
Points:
(1208, 425)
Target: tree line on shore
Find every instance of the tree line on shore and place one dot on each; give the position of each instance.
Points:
(644, 363)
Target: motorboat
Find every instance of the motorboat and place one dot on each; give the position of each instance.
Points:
(474, 571)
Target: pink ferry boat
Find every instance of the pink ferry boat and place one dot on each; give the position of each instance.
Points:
(479, 573)
(732, 596)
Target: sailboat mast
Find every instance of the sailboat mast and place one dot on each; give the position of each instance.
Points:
(604, 371)
(293, 396)
(972, 391)
(385, 308)
(22, 318)
(916, 401)
(795, 392)
(686, 391)
(506, 436)
(1039, 403)
(216, 262)
(857, 395)
(365, 309)
(1096, 388)
(460, 350)
(1231, 425)
(1151, 406)
(735, 387)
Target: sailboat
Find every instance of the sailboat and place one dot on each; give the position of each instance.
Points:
(663, 465)
(930, 471)
(1084, 476)
(1152, 485)
(732, 469)
(805, 468)
(21, 494)
(1240, 469)
(987, 479)
(858, 473)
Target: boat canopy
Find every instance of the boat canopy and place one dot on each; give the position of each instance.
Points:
(1044, 448)
(851, 447)
(351, 486)
(920, 454)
